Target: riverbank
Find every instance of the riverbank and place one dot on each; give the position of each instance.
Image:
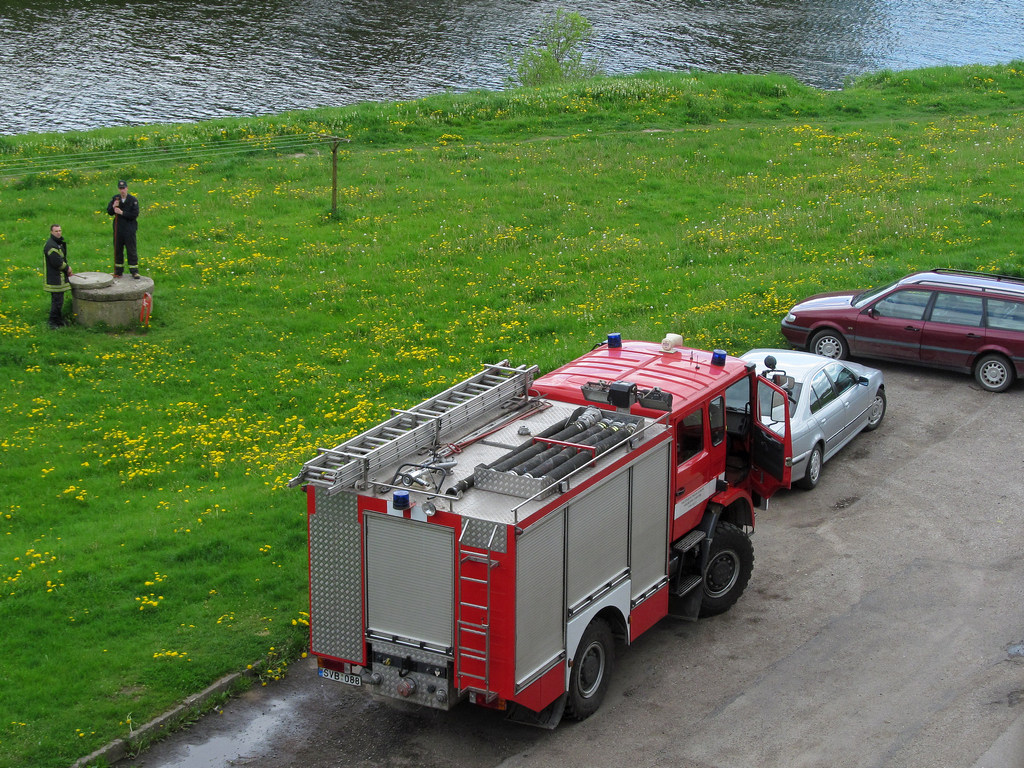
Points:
(150, 544)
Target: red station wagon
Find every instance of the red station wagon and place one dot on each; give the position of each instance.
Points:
(946, 318)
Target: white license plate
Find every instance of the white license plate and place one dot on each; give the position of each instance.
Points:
(341, 677)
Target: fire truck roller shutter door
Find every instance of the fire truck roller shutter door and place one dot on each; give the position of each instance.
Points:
(540, 600)
(598, 539)
(410, 579)
(648, 515)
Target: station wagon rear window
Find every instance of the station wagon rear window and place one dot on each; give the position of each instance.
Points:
(1006, 315)
(957, 309)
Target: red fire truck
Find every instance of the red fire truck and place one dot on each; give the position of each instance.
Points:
(493, 542)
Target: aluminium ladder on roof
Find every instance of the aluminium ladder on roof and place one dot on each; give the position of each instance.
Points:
(408, 431)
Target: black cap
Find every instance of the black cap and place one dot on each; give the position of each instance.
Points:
(122, 184)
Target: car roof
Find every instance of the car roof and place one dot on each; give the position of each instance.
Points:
(988, 282)
(796, 364)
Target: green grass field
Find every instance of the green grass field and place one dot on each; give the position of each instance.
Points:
(150, 544)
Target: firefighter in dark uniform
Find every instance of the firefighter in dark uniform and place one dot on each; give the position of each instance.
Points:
(55, 253)
(125, 210)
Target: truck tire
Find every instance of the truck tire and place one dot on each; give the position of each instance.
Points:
(729, 565)
(591, 671)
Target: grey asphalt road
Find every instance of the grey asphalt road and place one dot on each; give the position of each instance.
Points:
(883, 626)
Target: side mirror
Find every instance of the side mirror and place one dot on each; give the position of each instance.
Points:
(781, 379)
(771, 363)
(863, 381)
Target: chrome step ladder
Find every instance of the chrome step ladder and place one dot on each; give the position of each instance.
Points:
(473, 637)
(688, 582)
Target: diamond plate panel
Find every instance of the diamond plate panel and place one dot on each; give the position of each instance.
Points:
(478, 533)
(336, 598)
(512, 485)
(511, 436)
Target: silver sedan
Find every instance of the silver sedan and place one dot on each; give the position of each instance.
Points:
(831, 401)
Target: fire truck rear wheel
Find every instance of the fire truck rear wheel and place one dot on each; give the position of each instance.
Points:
(591, 671)
(729, 565)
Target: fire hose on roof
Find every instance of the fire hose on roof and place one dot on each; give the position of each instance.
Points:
(582, 456)
(579, 421)
(589, 436)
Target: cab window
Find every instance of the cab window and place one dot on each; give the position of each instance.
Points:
(690, 436)
(904, 305)
(737, 407)
(771, 407)
(716, 420)
(957, 309)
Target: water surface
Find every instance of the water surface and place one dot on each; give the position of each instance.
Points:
(76, 64)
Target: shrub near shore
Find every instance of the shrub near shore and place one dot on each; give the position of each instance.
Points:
(149, 542)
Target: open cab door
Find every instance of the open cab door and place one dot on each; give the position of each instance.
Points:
(772, 449)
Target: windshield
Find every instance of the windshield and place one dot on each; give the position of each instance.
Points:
(864, 297)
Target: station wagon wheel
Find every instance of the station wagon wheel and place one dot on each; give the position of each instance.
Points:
(877, 411)
(728, 570)
(591, 671)
(829, 343)
(810, 479)
(993, 373)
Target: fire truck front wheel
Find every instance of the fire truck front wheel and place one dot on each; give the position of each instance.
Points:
(591, 671)
(729, 565)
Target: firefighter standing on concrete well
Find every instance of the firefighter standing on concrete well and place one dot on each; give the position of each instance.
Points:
(125, 210)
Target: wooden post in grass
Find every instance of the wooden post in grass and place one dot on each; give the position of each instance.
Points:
(335, 141)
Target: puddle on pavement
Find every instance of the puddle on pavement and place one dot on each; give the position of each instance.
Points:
(243, 746)
(1016, 651)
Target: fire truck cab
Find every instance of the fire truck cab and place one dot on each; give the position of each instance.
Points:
(493, 542)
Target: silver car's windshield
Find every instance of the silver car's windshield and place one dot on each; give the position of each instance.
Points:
(864, 297)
